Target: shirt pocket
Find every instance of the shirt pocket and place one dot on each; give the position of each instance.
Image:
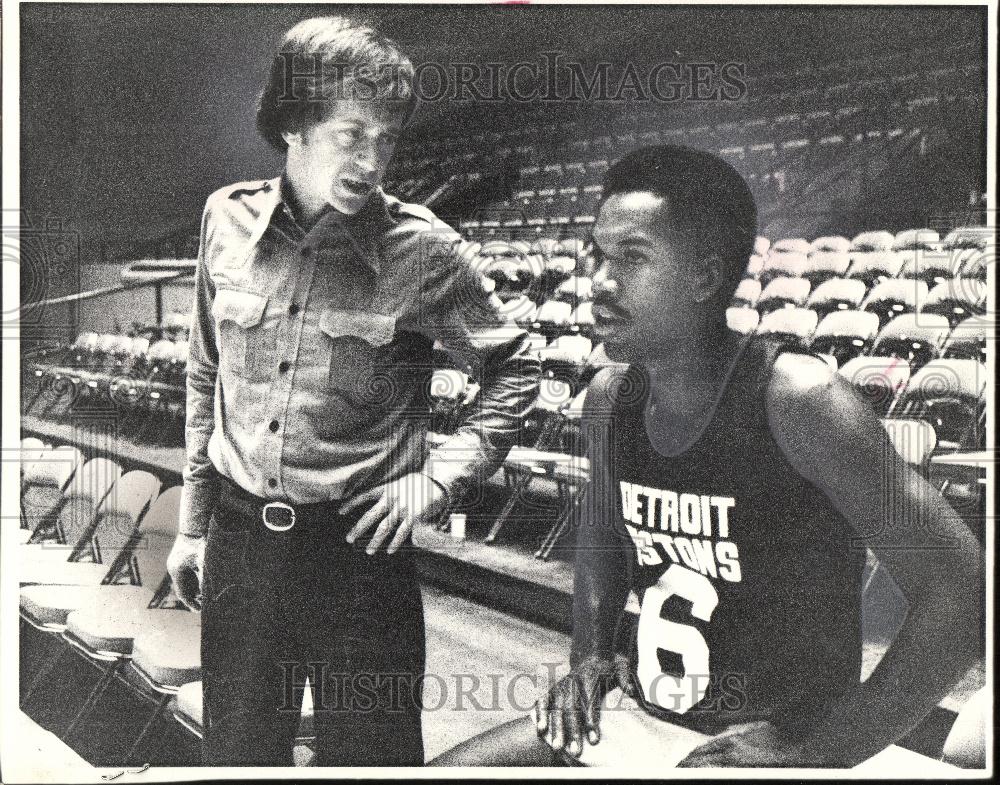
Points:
(246, 337)
(358, 344)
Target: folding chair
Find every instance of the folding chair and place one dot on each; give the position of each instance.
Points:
(793, 326)
(949, 395)
(845, 334)
(783, 293)
(103, 541)
(45, 480)
(873, 267)
(553, 396)
(956, 299)
(916, 338)
(836, 294)
(879, 379)
(747, 293)
(894, 297)
(31, 450)
(742, 320)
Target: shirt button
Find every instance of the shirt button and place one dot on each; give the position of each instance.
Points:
(294, 308)
(272, 483)
(283, 366)
(273, 426)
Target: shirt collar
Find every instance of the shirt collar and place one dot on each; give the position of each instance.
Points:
(362, 229)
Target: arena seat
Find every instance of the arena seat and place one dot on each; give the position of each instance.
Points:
(791, 245)
(965, 745)
(823, 265)
(928, 266)
(949, 395)
(914, 440)
(554, 317)
(909, 239)
(972, 262)
(844, 294)
(45, 480)
(833, 243)
(755, 266)
(968, 339)
(793, 325)
(761, 245)
(873, 267)
(971, 237)
(845, 334)
(782, 293)
(916, 338)
(575, 289)
(783, 265)
(878, 379)
(746, 294)
(583, 317)
(956, 299)
(894, 297)
(873, 241)
(742, 320)
(522, 309)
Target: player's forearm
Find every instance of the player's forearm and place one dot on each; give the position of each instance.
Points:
(599, 596)
(937, 644)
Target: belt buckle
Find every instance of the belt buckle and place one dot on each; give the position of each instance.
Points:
(276, 527)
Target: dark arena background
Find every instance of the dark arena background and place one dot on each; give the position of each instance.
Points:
(860, 130)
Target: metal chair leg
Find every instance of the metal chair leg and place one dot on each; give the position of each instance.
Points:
(107, 677)
(137, 745)
(520, 485)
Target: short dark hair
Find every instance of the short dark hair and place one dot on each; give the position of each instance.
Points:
(709, 205)
(316, 59)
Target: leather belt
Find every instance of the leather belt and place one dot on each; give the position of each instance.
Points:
(277, 515)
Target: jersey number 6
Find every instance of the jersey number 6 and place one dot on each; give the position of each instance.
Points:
(677, 694)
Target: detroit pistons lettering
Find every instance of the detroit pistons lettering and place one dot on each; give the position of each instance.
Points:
(690, 529)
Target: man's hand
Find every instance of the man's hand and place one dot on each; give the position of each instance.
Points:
(754, 744)
(396, 508)
(186, 565)
(573, 706)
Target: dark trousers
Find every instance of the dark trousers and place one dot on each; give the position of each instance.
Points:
(281, 607)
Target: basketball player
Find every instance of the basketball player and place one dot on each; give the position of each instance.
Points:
(317, 301)
(734, 489)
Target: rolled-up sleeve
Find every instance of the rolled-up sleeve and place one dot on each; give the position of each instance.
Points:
(200, 491)
(457, 307)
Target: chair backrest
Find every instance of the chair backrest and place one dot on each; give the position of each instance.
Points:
(960, 380)
(94, 480)
(914, 440)
(747, 291)
(157, 532)
(851, 324)
(577, 347)
(826, 264)
(796, 245)
(761, 245)
(554, 312)
(579, 287)
(742, 320)
(86, 491)
(120, 513)
(833, 243)
(868, 265)
(916, 238)
(970, 237)
(54, 467)
(838, 289)
(968, 339)
(926, 327)
(794, 290)
(520, 308)
(963, 291)
(799, 322)
(873, 241)
(784, 265)
(908, 291)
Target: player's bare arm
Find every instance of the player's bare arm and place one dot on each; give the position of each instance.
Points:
(835, 441)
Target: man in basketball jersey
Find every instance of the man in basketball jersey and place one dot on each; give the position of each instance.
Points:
(735, 487)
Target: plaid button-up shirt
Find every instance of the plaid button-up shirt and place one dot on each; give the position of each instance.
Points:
(310, 352)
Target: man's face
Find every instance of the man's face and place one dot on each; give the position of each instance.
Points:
(644, 289)
(343, 157)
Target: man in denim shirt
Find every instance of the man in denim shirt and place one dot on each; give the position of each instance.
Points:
(317, 301)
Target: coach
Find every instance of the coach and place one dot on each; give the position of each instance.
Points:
(317, 301)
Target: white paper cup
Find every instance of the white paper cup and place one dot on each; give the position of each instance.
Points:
(457, 527)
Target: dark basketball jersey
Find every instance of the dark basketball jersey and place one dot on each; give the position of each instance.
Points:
(748, 581)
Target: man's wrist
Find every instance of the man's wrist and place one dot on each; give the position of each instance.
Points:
(440, 484)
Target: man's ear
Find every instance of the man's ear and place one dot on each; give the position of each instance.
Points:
(710, 277)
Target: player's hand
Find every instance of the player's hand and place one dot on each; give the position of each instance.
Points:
(186, 565)
(571, 709)
(396, 508)
(754, 744)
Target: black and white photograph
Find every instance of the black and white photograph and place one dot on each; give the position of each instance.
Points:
(497, 387)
